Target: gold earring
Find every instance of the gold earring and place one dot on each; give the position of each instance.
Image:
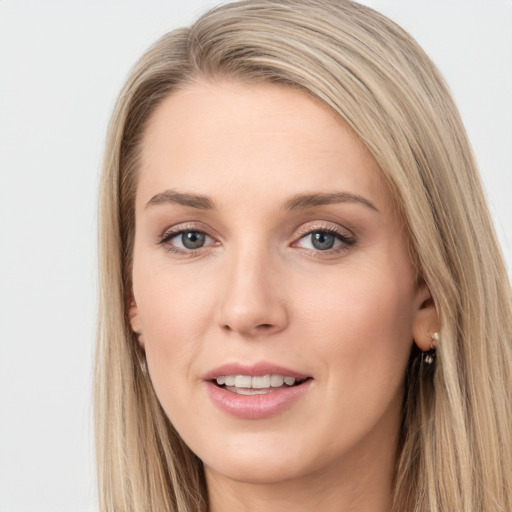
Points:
(429, 355)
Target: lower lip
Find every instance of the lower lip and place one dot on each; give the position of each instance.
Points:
(253, 407)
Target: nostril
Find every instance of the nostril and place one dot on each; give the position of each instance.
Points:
(264, 328)
(259, 328)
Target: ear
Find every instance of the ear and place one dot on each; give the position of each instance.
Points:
(426, 321)
(133, 315)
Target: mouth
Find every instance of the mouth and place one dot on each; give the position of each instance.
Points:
(256, 391)
(257, 385)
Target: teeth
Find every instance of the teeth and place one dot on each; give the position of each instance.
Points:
(243, 381)
(261, 382)
(251, 391)
(276, 381)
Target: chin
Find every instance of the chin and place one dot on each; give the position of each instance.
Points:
(257, 472)
(260, 461)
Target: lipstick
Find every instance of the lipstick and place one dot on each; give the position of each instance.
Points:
(255, 391)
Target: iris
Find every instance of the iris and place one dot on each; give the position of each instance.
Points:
(322, 240)
(193, 239)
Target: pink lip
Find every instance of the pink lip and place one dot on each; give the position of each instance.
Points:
(254, 406)
(255, 370)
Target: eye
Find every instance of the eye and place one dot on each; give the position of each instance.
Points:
(192, 239)
(322, 241)
(325, 239)
(186, 240)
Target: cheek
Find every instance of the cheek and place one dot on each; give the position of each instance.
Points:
(357, 332)
(362, 326)
(175, 313)
(169, 321)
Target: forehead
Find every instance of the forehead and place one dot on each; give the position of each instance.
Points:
(223, 138)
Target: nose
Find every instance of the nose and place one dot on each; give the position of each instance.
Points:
(253, 296)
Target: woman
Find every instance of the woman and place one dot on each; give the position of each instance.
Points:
(303, 303)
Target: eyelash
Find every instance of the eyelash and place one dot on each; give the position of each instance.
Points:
(346, 240)
(166, 238)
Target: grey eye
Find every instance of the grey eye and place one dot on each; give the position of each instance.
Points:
(186, 241)
(322, 241)
(193, 239)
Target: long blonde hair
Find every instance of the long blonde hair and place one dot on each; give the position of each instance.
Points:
(456, 439)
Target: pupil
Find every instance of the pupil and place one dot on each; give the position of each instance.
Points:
(322, 241)
(193, 239)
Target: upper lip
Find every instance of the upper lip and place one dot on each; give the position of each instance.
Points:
(254, 370)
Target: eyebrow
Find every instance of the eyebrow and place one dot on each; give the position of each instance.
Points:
(185, 199)
(297, 202)
(304, 201)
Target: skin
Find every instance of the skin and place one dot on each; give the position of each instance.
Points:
(259, 289)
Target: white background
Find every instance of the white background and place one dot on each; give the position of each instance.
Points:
(61, 66)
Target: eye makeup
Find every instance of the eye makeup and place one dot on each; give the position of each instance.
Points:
(326, 239)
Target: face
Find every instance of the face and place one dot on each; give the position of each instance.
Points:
(272, 283)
